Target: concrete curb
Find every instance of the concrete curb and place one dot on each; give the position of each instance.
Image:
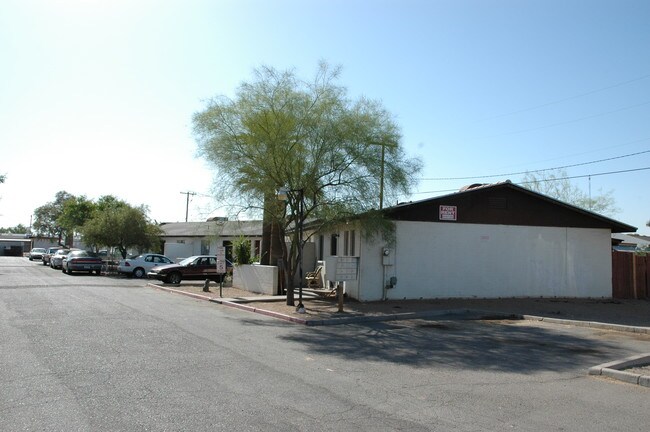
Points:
(346, 320)
(616, 370)
(175, 291)
(592, 324)
(479, 314)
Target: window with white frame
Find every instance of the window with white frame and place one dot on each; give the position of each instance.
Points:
(349, 240)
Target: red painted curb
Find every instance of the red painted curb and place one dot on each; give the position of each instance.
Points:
(266, 312)
(234, 305)
(189, 294)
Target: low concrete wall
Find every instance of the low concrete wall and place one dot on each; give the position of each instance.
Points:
(256, 278)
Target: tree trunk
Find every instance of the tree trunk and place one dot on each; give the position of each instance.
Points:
(267, 226)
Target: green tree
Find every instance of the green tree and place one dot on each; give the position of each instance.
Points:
(75, 213)
(556, 184)
(46, 219)
(117, 224)
(18, 229)
(337, 156)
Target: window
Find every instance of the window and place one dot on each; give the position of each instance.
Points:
(349, 238)
(228, 245)
(321, 245)
(205, 247)
(256, 248)
(334, 244)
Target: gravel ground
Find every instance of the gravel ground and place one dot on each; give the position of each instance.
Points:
(642, 370)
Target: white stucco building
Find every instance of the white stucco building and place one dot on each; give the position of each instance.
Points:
(487, 241)
(184, 239)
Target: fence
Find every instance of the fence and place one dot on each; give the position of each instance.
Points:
(630, 275)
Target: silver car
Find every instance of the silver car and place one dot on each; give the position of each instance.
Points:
(56, 259)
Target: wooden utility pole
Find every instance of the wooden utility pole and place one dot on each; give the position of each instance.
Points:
(187, 205)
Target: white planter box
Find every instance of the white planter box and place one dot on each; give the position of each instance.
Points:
(256, 278)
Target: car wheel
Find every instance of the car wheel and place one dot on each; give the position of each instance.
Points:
(98, 272)
(63, 269)
(174, 278)
(138, 273)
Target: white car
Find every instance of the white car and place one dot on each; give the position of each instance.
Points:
(140, 265)
(36, 253)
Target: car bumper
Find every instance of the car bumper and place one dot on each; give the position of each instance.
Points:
(84, 267)
(154, 275)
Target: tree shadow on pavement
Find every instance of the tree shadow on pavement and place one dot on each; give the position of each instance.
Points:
(483, 345)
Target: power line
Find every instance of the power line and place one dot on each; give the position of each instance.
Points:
(553, 179)
(568, 121)
(568, 98)
(540, 170)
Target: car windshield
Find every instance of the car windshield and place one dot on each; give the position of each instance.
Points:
(187, 261)
(83, 254)
(38, 250)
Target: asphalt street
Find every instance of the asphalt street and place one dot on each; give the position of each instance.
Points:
(96, 353)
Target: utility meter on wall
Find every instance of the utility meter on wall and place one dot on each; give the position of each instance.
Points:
(388, 257)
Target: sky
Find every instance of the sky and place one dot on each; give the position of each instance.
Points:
(97, 96)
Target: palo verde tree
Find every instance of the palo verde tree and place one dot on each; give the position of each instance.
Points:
(336, 155)
(556, 184)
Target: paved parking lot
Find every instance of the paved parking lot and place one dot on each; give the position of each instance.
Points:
(99, 353)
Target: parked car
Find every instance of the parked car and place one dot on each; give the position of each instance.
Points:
(56, 260)
(36, 253)
(139, 266)
(198, 267)
(81, 260)
(48, 254)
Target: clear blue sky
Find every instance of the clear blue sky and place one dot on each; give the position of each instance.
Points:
(96, 97)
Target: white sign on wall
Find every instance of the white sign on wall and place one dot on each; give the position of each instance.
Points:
(448, 213)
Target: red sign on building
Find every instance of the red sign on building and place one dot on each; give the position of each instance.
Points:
(448, 213)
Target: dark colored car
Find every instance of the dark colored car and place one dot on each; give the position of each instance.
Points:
(200, 267)
(81, 261)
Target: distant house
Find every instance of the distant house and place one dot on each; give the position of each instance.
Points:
(485, 241)
(183, 239)
(15, 244)
(630, 242)
(19, 244)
